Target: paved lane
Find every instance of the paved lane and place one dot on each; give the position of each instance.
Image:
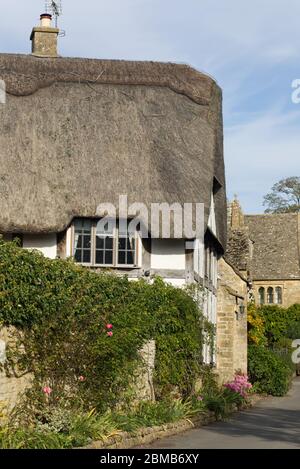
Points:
(272, 423)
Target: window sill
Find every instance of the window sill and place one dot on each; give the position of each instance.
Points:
(110, 267)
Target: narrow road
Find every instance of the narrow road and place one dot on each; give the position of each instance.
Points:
(272, 423)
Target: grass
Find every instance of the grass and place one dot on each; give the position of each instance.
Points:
(83, 428)
(80, 429)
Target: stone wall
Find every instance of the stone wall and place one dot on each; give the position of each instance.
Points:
(10, 387)
(144, 386)
(231, 323)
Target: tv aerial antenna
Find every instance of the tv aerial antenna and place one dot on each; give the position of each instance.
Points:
(54, 7)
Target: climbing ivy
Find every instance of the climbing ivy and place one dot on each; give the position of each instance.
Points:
(79, 333)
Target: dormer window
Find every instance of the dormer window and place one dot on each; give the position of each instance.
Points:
(110, 245)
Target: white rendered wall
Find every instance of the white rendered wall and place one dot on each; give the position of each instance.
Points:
(168, 254)
(45, 243)
(175, 282)
(212, 216)
(69, 251)
(199, 257)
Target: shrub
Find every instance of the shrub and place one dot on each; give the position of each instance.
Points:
(150, 414)
(69, 430)
(284, 350)
(79, 333)
(178, 334)
(293, 330)
(279, 322)
(256, 325)
(267, 371)
(276, 321)
(223, 402)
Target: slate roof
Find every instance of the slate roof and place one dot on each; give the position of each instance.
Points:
(276, 246)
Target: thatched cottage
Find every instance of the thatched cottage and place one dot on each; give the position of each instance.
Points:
(76, 133)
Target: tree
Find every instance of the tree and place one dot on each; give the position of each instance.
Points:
(284, 196)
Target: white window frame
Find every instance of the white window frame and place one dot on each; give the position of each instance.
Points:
(115, 249)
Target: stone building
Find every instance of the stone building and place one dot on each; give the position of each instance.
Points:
(231, 321)
(266, 249)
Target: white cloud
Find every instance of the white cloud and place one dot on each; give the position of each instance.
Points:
(260, 152)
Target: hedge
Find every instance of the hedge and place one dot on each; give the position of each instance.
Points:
(267, 371)
(278, 321)
(63, 312)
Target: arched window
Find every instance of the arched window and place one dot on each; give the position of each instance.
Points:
(270, 296)
(261, 294)
(278, 295)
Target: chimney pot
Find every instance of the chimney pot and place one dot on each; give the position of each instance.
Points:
(46, 19)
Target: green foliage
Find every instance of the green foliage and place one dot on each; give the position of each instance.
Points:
(178, 335)
(209, 380)
(222, 402)
(284, 196)
(63, 429)
(284, 350)
(86, 427)
(293, 324)
(270, 330)
(47, 432)
(293, 330)
(256, 325)
(150, 414)
(31, 439)
(61, 312)
(267, 371)
(278, 321)
(33, 287)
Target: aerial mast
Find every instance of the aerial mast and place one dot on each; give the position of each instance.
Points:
(54, 8)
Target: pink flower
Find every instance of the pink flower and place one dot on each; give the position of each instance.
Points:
(110, 333)
(47, 390)
(81, 379)
(109, 326)
(240, 385)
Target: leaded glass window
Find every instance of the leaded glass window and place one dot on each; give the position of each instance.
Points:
(270, 295)
(99, 243)
(82, 241)
(278, 295)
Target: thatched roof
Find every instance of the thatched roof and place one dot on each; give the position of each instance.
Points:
(78, 132)
(276, 250)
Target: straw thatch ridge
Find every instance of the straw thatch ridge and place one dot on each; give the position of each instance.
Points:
(78, 132)
(26, 74)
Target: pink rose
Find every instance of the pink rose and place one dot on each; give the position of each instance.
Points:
(110, 333)
(109, 326)
(47, 390)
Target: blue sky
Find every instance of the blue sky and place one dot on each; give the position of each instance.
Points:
(251, 48)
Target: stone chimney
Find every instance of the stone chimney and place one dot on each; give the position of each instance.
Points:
(235, 215)
(44, 38)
